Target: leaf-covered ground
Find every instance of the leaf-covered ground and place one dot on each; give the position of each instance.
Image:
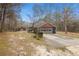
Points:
(69, 34)
(24, 44)
(18, 43)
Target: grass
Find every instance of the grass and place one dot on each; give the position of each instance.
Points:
(69, 34)
(4, 43)
(25, 42)
(30, 38)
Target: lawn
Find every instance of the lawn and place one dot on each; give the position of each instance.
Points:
(11, 43)
(24, 44)
(69, 34)
(4, 44)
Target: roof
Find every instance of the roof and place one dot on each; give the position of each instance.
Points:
(44, 24)
(47, 25)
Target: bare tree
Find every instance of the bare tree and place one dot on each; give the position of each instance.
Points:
(67, 13)
(5, 8)
(57, 17)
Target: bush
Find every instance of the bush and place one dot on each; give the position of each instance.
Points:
(40, 34)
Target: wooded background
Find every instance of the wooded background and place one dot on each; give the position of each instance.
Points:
(11, 20)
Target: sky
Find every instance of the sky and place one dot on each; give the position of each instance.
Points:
(27, 9)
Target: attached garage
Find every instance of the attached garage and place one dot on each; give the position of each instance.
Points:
(47, 28)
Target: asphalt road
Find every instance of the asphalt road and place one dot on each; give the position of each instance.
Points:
(57, 42)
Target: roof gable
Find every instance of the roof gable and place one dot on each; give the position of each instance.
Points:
(47, 25)
(43, 23)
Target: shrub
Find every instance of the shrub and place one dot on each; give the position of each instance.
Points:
(40, 34)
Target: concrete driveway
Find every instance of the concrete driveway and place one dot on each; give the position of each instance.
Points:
(58, 42)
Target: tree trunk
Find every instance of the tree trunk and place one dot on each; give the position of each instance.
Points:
(3, 18)
(65, 25)
(65, 20)
(65, 29)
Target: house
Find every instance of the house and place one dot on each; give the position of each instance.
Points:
(46, 27)
(21, 29)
